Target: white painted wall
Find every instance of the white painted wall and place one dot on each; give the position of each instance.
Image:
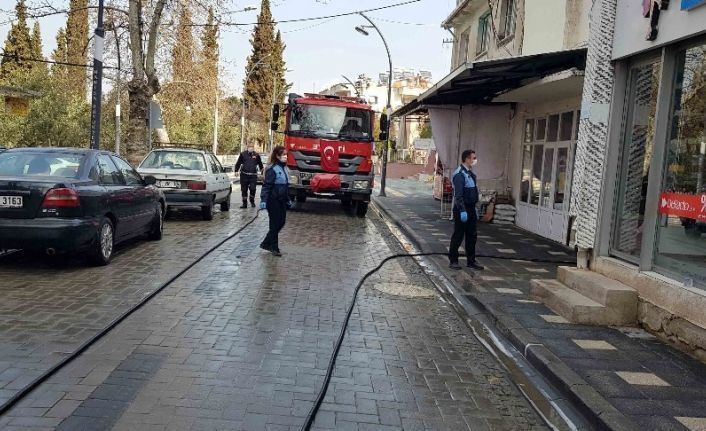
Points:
(544, 26)
(674, 24)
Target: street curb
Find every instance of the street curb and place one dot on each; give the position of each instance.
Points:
(594, 407)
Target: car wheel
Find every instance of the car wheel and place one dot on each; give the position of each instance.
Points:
(225, 205)
(157, 229)
(361, 209)
(207, 211)
(102, 249)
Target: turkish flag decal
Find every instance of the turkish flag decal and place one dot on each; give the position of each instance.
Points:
(329, 156)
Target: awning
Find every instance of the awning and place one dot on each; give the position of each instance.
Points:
(482, 81)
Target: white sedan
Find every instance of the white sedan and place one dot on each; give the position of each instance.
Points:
(189, 178)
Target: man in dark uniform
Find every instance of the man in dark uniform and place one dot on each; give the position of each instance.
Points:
(465, 189)
(249, 164)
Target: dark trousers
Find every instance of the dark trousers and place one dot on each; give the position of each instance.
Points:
(461, 230)
(248, 183)
(277, 211)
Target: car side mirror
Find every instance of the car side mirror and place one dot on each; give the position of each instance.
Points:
(228, 169)
(384, 124)
(275, 117)
(150, 180)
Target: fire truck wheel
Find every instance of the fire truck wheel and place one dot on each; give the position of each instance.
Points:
(361, 209)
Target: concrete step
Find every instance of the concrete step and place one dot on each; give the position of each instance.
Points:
(574, 306)
(619, 298)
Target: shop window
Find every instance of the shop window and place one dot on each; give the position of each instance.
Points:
(541, 129)
(529, 130)
(553, 128)
(567, 126)
(535, 180)
(547, 171)
(560, 184)
(637, 146)
(681, 244)
(526, 173)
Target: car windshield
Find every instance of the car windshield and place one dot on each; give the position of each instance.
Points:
(174, 160)
(31, 163)
(330, 122)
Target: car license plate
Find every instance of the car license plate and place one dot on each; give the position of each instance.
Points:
(11, 202)
(169, 184)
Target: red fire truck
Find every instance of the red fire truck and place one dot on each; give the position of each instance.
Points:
(329, 141)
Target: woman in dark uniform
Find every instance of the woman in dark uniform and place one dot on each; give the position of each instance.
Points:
(274, 197)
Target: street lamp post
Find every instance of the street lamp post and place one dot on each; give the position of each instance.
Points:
(242, 111)
(97, 91)
(362, 30)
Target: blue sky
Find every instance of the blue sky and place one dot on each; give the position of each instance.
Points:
(319, 52)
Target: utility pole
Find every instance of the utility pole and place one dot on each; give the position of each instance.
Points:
(215, 123)
(97, 91)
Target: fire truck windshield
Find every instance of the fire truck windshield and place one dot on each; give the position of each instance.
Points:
(331, 122)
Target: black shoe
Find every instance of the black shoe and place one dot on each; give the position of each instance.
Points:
(476, 266)
(252, 204)
(244, 205)
(454, 265)
(276, 253)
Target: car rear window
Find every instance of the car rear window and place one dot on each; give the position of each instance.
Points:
(21, 164)
(174, 160)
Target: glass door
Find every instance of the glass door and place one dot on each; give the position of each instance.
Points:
(637, 148)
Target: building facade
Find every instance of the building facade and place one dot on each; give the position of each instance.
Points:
(641, 201)
(514, 95)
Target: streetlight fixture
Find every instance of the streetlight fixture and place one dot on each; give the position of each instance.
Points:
(97, 90)
(242, 111)
(388, 109)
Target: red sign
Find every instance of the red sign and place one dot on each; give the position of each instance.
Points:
(683, 205)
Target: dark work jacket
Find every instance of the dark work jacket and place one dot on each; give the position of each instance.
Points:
(276, 183)
(465, 187)
(248, 163)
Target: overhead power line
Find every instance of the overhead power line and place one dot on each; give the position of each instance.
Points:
(316, 18)
(59, 63)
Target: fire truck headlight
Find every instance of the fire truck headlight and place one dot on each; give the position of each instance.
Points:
(293, 179)
(360, 185)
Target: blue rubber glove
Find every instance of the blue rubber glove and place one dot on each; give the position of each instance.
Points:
(464, 217)
(263, 205)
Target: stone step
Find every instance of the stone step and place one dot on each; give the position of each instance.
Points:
(618, 297)
(574, 306)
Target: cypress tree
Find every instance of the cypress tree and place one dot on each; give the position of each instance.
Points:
(209, 43)
(59, 71)
(18, 45)
(77, 47)
(259, 86)
(183, 52)
(37, 49)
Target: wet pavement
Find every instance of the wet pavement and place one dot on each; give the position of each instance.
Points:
(243, 339)
(624, 378)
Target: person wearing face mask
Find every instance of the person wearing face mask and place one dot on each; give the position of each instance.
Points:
(248, 164)
(465, 192)
(274, 197)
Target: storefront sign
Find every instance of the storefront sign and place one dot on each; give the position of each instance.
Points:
(683, 205)
(690, 4)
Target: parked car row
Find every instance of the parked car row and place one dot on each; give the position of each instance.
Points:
(58, 200)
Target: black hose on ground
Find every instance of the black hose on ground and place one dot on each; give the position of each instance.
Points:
(18, 396)
(339, 341)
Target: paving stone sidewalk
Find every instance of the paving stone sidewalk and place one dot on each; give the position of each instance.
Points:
(242, 342)
(619, 377)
